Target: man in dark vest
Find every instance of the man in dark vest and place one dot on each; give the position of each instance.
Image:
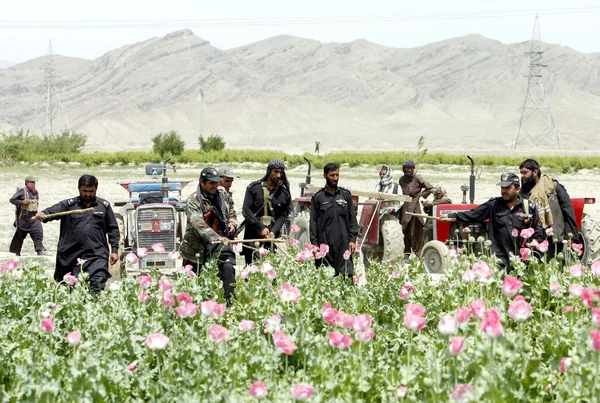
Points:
(415, 187)
(27, 201)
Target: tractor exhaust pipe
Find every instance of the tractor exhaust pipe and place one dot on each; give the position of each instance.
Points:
(307, 180)
(472, 181)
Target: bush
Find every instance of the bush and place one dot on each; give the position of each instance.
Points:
(168, 143)
(17, 146)
(212, 143)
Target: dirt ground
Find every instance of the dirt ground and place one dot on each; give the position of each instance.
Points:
(59, 181)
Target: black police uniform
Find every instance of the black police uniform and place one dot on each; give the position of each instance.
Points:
(253, 210)
(83, 236)
(502, 221)
(333, 222)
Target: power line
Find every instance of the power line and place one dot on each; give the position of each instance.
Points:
(272, 21)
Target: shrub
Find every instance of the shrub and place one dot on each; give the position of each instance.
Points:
(168, 143)
(212, 143)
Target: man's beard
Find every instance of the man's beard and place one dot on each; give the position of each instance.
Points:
(527, 184)
(332, 184)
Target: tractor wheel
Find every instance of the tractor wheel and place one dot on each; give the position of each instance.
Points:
(117, 270)
(590, 233)
(393, 241)
(435, 257)
(303, 236)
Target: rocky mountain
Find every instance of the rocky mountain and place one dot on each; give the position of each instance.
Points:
(287, 92)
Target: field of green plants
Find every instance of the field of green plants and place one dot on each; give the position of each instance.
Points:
(298, 333)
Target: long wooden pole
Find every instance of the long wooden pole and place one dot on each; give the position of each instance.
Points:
(252, 240)
(64, 213)
(373, 195)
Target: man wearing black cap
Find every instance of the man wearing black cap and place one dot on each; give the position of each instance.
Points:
(505, 214)
(27, 201)
(267, 205)
(209, 222)
(415, 187)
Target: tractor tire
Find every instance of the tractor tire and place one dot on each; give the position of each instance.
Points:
(393, 241)
(303, 236)
(590, 234)
(435, 257)
(117, 270)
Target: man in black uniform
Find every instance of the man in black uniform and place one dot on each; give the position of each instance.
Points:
(27, 201)
(83, 235)
(504, 213)
(553, 203)
(267, 205)
(333, 222)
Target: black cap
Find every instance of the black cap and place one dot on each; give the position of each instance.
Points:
(210, 174)
(408, 164)
(507, 179)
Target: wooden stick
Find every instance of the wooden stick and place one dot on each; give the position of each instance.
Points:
(423, 216)
(252, 240)
(373, 195)
(64, 213)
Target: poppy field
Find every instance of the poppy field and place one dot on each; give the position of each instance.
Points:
(297, 333)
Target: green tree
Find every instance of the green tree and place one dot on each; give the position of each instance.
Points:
(168, 143)
(214, 142)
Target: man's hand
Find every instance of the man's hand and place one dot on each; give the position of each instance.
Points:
(231, 228)
(445, 218)
(427, 203)
(270, 235)
(40, 216)
(352, 247)
(26, 202)
(114, 257)
(265, 232)
(223, 240)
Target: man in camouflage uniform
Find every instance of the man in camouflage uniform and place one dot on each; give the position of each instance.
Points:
(210, 223)
(27, 200)
(227, 177)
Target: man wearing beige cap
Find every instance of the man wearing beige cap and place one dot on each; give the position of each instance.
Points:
(227, 177)
(26, 201)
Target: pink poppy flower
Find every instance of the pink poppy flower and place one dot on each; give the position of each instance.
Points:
(283, 343)
(482, 270)
(362, 323)
(404, 292)
(258, 390)
(167, 299)
(511, 286)
(295, 228)
(142, 252)
(550, 231)
(347, 254)
(565, 363)
(395, 274)
(549, 388)
(273, 324)
(244, 273)
(184, 297)
(527, 233)
(217, 333)
(576, 271)
(447, 325)
(525, 254)
(340, 340)
(596, 317)
(47, 324)
(477, 308)
(463, 392)
(70, 279)
(570, 308)
(577, 248)
(469, 276)
(401, 391)
(144, 281)
(238, 247)
(414, 309)
(345, 320)
(329, 314)
(158, 248)
(246, 325)
(211, 309)
(319, 255)
(324, 249)
(543, 246)
(554, 288)
(490, 324)
(456, 345)
(596, 268)
(74, 338)
(462, 315)
(173, 256)
(414, 322)
(266, 266)
(365, 336)
(590, 297)
(311, 248)
(165, 285)
(143, 297)
(263, 252)
(301, 391)
(304, 256)
(576, 290)
(131, 258)
(514, 232)
(271, 274)
(465, 230)
(157, 341)
(132, 366)
(519, 309)
(595, 339)
(187, 310)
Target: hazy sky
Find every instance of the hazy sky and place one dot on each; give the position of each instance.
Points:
(22, 39)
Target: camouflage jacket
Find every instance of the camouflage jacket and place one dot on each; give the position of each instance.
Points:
(227, 197)
(199, 232)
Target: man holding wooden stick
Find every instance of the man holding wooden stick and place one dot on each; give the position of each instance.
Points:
(85, 223)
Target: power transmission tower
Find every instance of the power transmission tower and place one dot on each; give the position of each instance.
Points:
(53, 102)
(536, 126)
